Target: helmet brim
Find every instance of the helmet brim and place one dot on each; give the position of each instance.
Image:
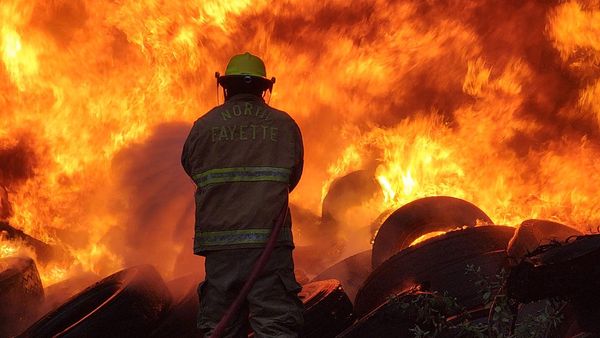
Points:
(230, 80)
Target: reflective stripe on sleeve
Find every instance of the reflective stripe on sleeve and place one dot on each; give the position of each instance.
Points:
(235, 237)
(242, 174)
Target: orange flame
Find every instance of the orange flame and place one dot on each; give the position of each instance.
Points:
(494, 103)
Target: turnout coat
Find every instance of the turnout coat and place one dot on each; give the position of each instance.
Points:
(244, 157)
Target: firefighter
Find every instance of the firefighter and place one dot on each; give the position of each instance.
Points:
(245, 157)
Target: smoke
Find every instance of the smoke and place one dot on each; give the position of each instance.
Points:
(5, 207)
(17, 162)
(156, 204)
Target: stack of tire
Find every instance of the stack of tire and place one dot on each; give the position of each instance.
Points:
(437, 264)
(21, 294)
(400, 269)
(128, 303)
(567, 269)
(135, 302)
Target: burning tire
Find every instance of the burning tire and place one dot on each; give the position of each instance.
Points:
(417, 218)
(438, 263)
(21, 293)
(346, 218)
(43, 252)
(127, 303)
(57, 294)
(535, 232)
(348, 191)
(351, 272)
(327, 309)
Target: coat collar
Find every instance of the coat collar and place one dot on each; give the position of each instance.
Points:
(245, 97)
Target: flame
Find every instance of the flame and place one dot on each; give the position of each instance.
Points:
(493, 103)
(7, 249)
(49, 273)
(427, 236)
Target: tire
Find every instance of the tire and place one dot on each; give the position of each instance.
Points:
(351, 272)
(44, 253)
(535, 232)
(390, 320)
(182, 316)
(58, 293)
(438, 263)
(21, 294)
(584, 335)
(327, 309)
(557, 270)
(347, 191)
(564, 270)
(180, 287)
(128, 303)
(417, 218)
(345, 208)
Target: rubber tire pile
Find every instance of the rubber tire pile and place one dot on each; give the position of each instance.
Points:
(356, 297)
(21, 293)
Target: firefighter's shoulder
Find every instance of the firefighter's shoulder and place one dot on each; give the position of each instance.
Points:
(281, 115)
(208, 116)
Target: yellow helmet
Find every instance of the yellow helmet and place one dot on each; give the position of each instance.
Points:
(247, 67)
(246, 64)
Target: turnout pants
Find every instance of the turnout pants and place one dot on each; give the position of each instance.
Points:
(272, 307)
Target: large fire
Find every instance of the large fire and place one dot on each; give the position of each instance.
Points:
(494, 102)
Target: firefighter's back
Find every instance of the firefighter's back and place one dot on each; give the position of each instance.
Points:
(245, 155)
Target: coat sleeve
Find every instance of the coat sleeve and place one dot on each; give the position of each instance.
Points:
(298, 159)
(188, 149)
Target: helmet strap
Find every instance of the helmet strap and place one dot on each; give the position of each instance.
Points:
(218, 77)
(270, 89)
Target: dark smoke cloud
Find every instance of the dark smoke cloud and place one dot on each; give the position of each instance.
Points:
(157, 203)
(17, 162)
(5, 207)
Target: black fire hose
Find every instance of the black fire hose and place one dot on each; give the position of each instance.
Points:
(256, 271)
